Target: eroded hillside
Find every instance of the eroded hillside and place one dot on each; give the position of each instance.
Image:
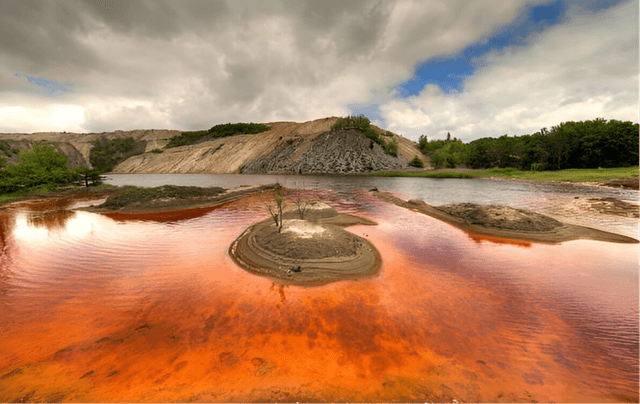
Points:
(288, 147)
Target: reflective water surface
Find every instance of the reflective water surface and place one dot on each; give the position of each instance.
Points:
(106, 308)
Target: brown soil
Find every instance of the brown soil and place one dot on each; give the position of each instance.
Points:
(630, 183)
(310, 252)
(506, 222)
(608, 206)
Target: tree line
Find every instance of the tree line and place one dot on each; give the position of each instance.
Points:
(215, 132)
(584, 144)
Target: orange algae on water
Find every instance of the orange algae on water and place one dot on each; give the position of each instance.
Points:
(143, 311)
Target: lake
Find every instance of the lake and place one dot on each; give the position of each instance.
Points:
(96, 308)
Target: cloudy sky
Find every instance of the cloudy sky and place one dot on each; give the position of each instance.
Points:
(473, 68)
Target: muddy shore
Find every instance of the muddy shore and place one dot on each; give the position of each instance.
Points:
(506, 222)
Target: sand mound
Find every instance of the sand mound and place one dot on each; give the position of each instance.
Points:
(501, 217)
(308, 252)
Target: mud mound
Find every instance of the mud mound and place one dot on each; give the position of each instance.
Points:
(608, 206)
(501, 217)
(630, 183)
(300, 239)
(307, 252)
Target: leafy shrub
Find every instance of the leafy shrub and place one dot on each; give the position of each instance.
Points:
(416, 162)
(157, 151)
(392, 148)
(108, 153)
(218, 131)
(352, 122)
(38, 167)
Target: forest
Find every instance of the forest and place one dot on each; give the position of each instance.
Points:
(584, 144)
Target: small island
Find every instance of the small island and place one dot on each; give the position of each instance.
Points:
(310, 251)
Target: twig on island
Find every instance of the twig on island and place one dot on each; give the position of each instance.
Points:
(301, 205)
(276, 212)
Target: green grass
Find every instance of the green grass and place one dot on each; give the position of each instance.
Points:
(48, 190)
(573, 174)
(130, 194)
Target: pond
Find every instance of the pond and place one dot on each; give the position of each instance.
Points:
(95, 308)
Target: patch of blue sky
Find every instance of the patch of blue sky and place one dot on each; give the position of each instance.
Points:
(371, 111)
(450, 71)
(52, 88)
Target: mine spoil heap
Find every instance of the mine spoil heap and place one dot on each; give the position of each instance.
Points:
(312, 251)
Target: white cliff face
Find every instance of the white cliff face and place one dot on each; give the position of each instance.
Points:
(293, 147)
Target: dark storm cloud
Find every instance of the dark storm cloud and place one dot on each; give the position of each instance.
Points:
(163, 18)
(191, 64)
(353, 27)
(36, 33)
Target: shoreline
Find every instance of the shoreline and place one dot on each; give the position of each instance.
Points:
(168, 206)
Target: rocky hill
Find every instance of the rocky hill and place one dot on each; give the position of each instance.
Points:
(288, 147)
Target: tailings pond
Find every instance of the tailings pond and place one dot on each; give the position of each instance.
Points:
(97, 308)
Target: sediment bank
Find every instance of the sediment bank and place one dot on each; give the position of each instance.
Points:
(506, 222)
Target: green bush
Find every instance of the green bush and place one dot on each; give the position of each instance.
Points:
(352, 122)
(416, 162)
(42, 166)
(157, 151)
(218, 131)
(392, 148)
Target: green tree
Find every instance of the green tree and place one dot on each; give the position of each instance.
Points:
(416, 162)
(86, 176)
(40, 166)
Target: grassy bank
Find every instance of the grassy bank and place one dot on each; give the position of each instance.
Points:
(48, 190)
(573, 174)
(130, 194)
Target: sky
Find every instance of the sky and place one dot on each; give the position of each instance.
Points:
(472, 68)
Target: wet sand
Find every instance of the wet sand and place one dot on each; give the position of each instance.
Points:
(510, 223)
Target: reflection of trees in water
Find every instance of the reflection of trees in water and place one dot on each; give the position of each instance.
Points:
(51, 220)
(7, 221)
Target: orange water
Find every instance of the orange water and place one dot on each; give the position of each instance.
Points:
(128, 308)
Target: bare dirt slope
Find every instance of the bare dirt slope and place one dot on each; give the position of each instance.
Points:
(288, 147)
